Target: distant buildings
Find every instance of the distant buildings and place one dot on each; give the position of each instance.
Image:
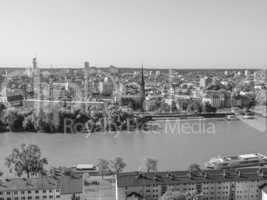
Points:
(240, 184)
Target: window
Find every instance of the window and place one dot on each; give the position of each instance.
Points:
(51, 196)
(22, 192)
(29, 197)
(1, 198)
(36, 197)
(8, 198)
(44, 191)
(22, 198)
(58, 196)
(44, 196)
(29, 192)
(1, 193)
(16, 198)
(7, 193)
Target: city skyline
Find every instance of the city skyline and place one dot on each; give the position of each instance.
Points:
(159, 34)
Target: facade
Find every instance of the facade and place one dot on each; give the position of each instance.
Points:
(215, 98)
(205, 82)
(43, 188)
(242, 184)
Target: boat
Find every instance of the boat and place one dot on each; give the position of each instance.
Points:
(89, 167)
(248, 116)
(238, 161)
(231, 117)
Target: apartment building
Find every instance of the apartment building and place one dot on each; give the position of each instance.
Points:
(45, 188)
(241, 184)
(42, 188)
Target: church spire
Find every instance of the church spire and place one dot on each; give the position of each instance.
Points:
(143, 95)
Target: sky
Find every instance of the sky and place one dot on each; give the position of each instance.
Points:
(128, 33)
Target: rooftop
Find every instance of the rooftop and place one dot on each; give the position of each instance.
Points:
(71, 184)
(68, 184)
(182, 177)
(20, 184)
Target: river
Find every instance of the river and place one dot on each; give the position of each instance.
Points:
(173, 151)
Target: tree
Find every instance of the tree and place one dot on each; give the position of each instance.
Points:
(151, 165)
(173, 195)
(194, 169)
(103, 166)
(14, 119)
(209, 108)
(26, 161)
(117, 165)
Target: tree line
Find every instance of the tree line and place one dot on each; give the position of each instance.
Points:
(112, 118)
(27, 161)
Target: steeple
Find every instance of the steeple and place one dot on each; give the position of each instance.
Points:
(143, 95)
(34, 63)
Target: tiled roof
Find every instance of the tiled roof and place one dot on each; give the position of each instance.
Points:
(180, 177)
(19, 184)
(71, 184)
(68, 184)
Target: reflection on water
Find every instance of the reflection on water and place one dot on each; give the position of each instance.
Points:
(172, 151)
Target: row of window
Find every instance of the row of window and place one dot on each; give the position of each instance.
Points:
(30, 197)
(29, 192)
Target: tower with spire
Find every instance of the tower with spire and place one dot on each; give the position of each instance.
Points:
(142, 94)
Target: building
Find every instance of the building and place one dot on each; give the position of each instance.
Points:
(215, 98)
(260, 76)
(106, 87)
(46, 188)
(264, 192)
(70, 186)
(137, 102)
(242, 184)
(42, 188)
(3, 100)
(205, 82)
(15, 100)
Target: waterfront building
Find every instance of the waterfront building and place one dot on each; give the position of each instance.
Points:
(241, 184)
(215, 98)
